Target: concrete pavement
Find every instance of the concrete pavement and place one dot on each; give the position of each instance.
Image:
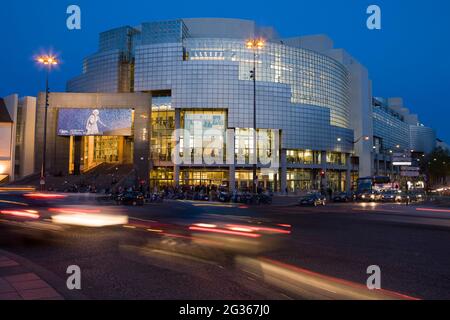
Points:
(19, 282)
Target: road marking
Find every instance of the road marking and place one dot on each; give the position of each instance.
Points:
(377, 210)
(433, 210)
(145, 220)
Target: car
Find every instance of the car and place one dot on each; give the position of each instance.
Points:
(341, 197)
(403, 197)
(369, 196)
(417, 196)
(133, 198)
(30, 213)
(313, 199)
(389, 196)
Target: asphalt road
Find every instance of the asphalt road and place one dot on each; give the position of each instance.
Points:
(410, 244)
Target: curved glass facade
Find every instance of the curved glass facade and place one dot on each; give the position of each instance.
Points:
(204, 66)
(314, 79)
(301, 93)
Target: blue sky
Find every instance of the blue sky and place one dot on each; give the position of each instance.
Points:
(409, 57)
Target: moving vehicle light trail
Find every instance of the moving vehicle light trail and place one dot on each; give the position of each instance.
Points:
(86, 217)
(311, 285)
(32, 214)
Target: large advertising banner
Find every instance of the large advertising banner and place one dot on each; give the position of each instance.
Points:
(94, 122)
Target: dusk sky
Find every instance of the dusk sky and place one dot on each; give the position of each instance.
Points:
(409, 57)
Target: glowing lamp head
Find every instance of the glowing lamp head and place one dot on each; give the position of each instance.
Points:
(255, 44)
(47, 60)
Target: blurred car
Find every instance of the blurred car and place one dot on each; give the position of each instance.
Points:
(132, 198)
(209, 239)
(28, 212)
(341, 197)
(43, 216)
(313, 199)
(417, 196)
(240, 238)
(403, 198)
(369, 196)
(389, 196)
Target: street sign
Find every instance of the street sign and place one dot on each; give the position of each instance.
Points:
(42, 182)
(410, 174)
(401, 159)
(402, 163)
(410, 168)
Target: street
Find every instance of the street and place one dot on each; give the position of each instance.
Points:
(336, 243)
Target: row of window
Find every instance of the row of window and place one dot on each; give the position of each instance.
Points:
(315, 157)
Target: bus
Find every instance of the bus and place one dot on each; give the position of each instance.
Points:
(377, 183)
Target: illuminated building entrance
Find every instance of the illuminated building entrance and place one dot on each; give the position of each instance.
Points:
(96, 150)
(201, 177)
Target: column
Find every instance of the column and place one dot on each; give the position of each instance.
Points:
(323, 161)
(141, 154)
(90, 159)
(120, 150)
(230, 157)
(283, 171)
(176, 167)
(348, 174)
(77, 156)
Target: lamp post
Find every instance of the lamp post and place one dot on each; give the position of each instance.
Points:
(254, 45)
(48, 62)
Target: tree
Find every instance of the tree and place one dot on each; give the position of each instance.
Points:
(436, 165)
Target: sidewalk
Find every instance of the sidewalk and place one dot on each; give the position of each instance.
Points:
(18, 282)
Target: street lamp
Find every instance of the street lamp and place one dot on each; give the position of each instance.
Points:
(48, 62)
(254, 45)
(366, 138)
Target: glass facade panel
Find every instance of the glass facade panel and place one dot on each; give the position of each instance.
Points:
(299, 180)
(303, 157)
(190, 177)
(163, 125)
(207, 133)
(314, 79)
(390, 128)
(336, 158)
(161, 177)
(336, 180)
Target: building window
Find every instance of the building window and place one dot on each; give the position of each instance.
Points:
(161, 177)
(303, 157)
(300, 180)
(336, 158)
(206, 129)
(163, 125)
(266, 141)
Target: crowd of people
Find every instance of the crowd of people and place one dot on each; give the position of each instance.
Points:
(212, 193)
